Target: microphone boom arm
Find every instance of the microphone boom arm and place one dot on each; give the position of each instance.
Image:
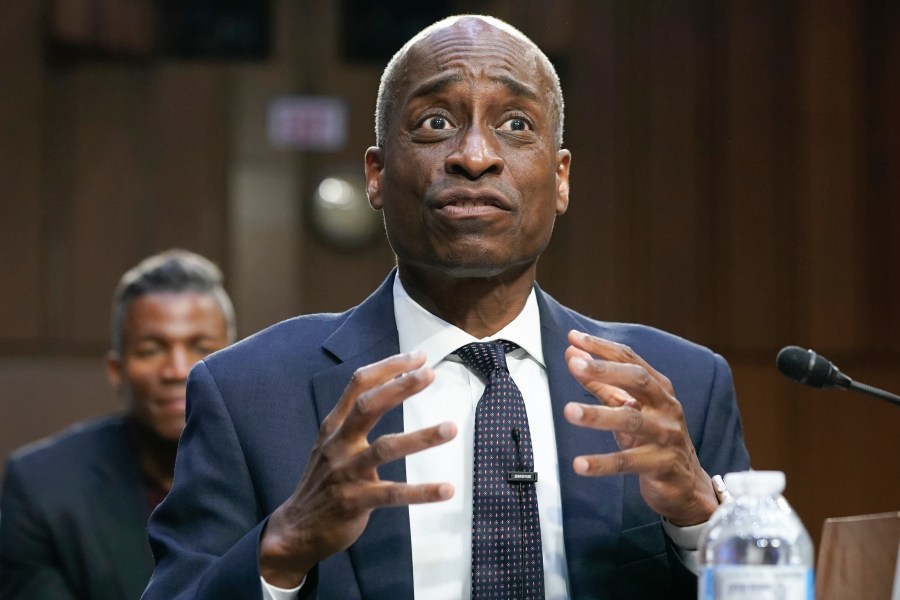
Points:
(874, 391)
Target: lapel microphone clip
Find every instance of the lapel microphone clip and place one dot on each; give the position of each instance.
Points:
(520, 476)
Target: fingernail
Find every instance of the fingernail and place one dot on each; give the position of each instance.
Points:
(446, 430)
(580, 466)
(445, 491)
(578, 365)
(575, 411)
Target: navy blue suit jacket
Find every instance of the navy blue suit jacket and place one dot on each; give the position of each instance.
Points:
(254, 411)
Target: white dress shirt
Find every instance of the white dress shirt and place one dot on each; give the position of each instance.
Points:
(441, 532)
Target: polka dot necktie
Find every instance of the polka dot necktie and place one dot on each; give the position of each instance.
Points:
(506, 532)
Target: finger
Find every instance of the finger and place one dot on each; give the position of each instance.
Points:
(615, 352)
(394, 446)
(606, 393)
(366, 378)
(618, 383)
(646, 461)
(626, 440)
(373, 403)
(388, 493)
(620, 419)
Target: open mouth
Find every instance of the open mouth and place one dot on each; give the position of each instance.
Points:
(455, 200)
(472, 203)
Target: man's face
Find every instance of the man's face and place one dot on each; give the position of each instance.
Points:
(469, 177)
(164, 334)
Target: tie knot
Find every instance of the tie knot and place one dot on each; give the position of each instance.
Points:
(486, 357)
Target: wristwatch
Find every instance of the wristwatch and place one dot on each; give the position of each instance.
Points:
(722, 493)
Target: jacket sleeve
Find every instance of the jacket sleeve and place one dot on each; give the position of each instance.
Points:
(205, 534)
(29, 563)
(720, 444)
(720, 448)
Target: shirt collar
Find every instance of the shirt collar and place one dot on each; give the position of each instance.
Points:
(418, 329)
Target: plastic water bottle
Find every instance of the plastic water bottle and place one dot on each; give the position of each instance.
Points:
(754, 546)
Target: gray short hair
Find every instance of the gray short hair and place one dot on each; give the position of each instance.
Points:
(387, 98)
(172, 271)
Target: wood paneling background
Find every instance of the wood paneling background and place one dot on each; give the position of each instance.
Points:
(736, 180)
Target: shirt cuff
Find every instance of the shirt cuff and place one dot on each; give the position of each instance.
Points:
(686, 540)
(271, 592)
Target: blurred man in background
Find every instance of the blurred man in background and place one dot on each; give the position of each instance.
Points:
(75, 506)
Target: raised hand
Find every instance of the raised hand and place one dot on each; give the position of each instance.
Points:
(639, 406)
(331, 506)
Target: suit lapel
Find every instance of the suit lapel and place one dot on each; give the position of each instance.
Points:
(382, 556)
(592, 507)
(119, 517)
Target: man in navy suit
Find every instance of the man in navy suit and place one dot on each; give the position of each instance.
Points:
(330, 455)
(75, 506)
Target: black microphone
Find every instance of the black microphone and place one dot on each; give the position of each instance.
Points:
(520, 475)
(815, 370)
(809, 368)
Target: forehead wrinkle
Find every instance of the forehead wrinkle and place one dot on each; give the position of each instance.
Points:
(460, 54)
(438, 85)
(453, 51)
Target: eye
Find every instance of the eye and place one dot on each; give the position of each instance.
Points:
(146, 350)
(435, 123)
(205, 348)
(516, 124)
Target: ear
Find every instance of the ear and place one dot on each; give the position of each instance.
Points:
(114, 370)
(563, 161)
(374, 168)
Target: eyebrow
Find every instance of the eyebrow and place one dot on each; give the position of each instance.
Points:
(442, 83)
(516, 87)
(433, 87)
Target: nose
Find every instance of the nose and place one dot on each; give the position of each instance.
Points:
(476, 154)
(178, 364)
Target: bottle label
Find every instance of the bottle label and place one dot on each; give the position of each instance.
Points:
(756, 582)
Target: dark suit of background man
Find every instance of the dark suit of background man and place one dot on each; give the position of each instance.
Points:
(319, 453)
(75, 506)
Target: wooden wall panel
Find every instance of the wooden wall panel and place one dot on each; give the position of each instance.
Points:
(845, 449)
(770, 416)
(20, 173)
(887, 210)
(189, 113)
(669, 208)
(752, 180)
(101, 164)
(134, 163)
(831, 191)
(108, 108)
(584, 257)
(42, 395)
(882, 229)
